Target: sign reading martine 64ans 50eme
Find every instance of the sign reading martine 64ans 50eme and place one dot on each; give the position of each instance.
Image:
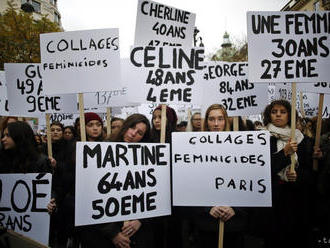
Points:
(125, 181)
(80, 61)
(289, 46)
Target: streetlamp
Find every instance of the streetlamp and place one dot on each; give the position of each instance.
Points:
(196, 31)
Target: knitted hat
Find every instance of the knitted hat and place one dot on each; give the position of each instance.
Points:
(90, 116)
(170, 114)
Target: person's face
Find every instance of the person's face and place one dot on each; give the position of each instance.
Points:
(56, 132)
(7, 141)
(196, 122)
(37, 139)
(116, 126)
(93, 129)
(216, 120)
(68, 135)
(136, 133)
(157, 119)
(279, 116)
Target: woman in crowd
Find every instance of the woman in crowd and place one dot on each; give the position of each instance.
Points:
(206, 220)
(69, 133)
(94, 127)
(133, 233)
(284, 224)
(196, 122)
(19, 152)
(171, 119)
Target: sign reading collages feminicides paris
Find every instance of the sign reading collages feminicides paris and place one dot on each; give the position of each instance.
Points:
(26, 95)
(80, 61)
(23, 205)
(161, 25)
(224, 168)
(169, 75)
(125, 181)
(289, 46)
(228, 84)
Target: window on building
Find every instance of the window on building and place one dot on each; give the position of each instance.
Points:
(57, 18)
(317, 6)
(52, 2)
(36, 6)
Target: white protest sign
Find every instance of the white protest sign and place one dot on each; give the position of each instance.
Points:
(26, 96)
(3, 95)
(227, 83)
(80, 61)
(224, 168)
(161, 25)
(319, 87)
(169, 75)
(288, 46)
(271, 92)
(310, 100)
(23, 206)
(114, 98)
(125, 181)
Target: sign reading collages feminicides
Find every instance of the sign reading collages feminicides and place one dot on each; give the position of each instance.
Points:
(161, 25)
(3, 95)
(80, 61)
(23, 204)
(169, 75)
(289, 46)
(224, 168)
(26, 95)
(125, 181)
(228, 84)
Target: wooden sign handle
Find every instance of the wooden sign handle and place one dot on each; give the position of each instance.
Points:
(163, 124)
(108, 121)
(49, 136)
(221, 233)
(293, 122)
(82, 117)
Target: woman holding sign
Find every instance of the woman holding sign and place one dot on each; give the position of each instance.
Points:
(133, 233)
(286, 222)
(207, 219)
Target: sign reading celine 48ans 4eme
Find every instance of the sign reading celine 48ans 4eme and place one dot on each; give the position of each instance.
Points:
(289, 46)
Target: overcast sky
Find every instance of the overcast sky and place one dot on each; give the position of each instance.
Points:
(213, 17)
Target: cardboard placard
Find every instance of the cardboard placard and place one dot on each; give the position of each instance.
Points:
(224, 168)
(80, 61)
(26, 96)
(228, 84)
(125, 181)
(288, 46)
(161, 25)
(162, 75)
(23, 206)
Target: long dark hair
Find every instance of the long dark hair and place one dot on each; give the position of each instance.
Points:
(267, 112)
(131, 122)
(25, 153)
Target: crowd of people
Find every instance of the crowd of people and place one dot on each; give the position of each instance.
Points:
(300, 197)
